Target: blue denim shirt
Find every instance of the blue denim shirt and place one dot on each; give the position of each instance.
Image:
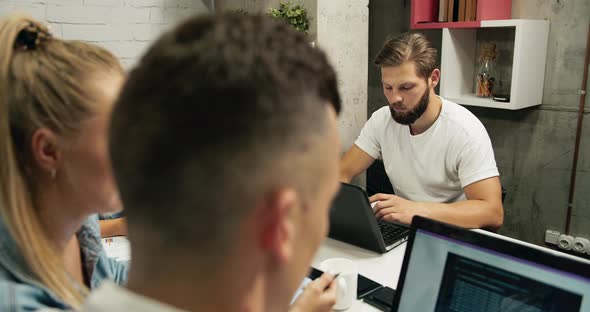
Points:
(20, 291)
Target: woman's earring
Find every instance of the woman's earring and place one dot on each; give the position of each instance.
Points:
(53, 173)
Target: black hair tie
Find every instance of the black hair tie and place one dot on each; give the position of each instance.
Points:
(27, 39)
(30, 37)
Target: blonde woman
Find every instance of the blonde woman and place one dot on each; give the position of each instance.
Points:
(55, 100)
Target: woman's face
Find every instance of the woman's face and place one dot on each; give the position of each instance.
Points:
(86, 178)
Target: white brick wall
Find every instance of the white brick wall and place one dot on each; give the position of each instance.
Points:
(125, 27)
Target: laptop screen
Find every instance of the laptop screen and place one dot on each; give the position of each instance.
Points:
(447, 274)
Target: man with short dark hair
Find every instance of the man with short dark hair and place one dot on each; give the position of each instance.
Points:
(225, 148)
(437, 154)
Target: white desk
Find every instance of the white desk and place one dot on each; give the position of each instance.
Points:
(384, 269)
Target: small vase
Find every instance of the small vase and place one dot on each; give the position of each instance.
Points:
(486, 74)
(486, 78)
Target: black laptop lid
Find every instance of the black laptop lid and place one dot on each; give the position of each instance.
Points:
(447, 268)
(352, 220)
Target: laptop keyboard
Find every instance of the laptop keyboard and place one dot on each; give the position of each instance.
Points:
(390, 232)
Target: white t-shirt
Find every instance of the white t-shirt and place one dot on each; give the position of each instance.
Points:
(436, 165)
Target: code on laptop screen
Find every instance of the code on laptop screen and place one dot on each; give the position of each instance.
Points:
(445, 274)
(469, 285)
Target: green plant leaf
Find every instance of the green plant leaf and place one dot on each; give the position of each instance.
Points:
(295, 15)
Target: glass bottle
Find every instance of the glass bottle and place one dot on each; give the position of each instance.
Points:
(486, 74)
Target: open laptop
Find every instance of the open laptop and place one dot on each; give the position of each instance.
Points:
(352, 221)
(446, 268)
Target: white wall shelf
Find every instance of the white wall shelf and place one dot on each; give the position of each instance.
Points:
(459, 63)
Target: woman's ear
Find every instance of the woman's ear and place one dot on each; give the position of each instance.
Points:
(45, 151)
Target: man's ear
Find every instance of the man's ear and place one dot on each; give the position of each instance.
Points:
(45, 150)
(279, 225)
(434, 78)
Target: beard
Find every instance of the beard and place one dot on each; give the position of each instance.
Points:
(408, 118)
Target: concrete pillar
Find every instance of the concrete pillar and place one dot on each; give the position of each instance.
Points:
(343, 32)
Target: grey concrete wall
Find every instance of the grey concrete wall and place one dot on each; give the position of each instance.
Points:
(342, 29)
(534, 147)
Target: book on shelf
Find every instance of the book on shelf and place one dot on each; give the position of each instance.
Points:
(470, 10)
(468, 4)
(450, 9)
(461, 14)
(442, 10)
(455, 10)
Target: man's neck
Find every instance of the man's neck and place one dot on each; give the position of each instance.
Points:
(429, 117)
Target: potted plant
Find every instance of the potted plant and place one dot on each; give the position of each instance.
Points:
(295, 15)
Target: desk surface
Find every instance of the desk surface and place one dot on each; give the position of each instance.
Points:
(384, 269)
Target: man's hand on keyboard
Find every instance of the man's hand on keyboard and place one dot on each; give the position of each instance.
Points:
(393, 208)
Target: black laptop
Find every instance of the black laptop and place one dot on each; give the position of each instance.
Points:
(447, 268)
(352, 221)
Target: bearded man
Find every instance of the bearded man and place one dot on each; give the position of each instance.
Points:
(437, 154)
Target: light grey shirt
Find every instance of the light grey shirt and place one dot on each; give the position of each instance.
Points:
(110, 297)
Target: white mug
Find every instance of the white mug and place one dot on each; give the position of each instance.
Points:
(346, 281)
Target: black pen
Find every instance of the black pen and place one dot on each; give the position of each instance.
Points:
(333, 279)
